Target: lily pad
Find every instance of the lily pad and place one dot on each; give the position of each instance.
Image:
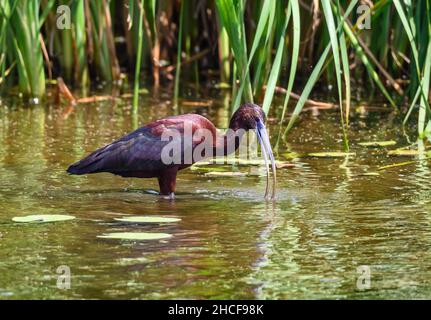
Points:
(41, 218)
(147, 219)
(330, 154)
(377, 143)
(135, 236)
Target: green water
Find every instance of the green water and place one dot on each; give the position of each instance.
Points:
(329, 218)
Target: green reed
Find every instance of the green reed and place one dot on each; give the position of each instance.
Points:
(21, 31)
(257, 47)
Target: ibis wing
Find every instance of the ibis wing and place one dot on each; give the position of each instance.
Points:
(139, 151)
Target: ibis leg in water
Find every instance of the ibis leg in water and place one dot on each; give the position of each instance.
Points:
(141, 153)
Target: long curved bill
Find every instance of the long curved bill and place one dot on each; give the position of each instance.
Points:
(263, 138)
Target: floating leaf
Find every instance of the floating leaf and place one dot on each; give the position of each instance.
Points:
(404, 152)
(330, 154)
(135, 236)
(143, 219)
(225, 174)
(291, 155)
(41, 218)
(371, 174)
(378, 143)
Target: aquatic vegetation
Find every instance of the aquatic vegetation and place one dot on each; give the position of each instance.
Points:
(147, 219)
(256, 47)
(42, 218)
(406, 152)
(135, 236)
(377, 143)
(333, 154)
(21, 44)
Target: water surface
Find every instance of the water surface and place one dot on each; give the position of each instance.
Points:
(331, 215)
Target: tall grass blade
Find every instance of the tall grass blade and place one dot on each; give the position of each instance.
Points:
(294, 8)
(326, 5)
(409, 27)
(138, 57)
(24, 31)
(367, 63)
(229, 12)
(179, 50)
(314, 75)
(276, 66)
(346, 66)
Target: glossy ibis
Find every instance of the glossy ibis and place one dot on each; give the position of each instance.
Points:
(140, 153)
